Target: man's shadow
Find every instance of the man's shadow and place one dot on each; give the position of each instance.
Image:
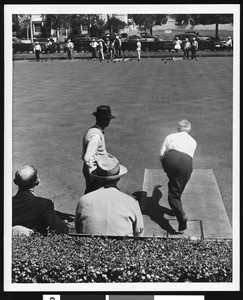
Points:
(154, 210)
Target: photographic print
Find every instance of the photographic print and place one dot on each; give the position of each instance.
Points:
(121, 148)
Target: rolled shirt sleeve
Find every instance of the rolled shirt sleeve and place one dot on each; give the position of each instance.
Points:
(163, 149)
(93, 144)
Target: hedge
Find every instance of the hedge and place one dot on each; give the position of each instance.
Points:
(74, 259)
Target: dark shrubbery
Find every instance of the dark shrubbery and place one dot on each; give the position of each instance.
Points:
(73, 259)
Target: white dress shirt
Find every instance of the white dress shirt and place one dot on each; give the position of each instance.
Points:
(93, 146)
(180, 141)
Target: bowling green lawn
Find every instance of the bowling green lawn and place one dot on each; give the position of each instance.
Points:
(53, 102)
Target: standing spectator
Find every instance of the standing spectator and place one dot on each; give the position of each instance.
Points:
(194, 48)
(101, 49)
(37, 50)
(176, 156)
(177, 44)
(48, 46)
(107, 46)
(70, 47)
(138, 48)
(94, 144)
(94, 45)
(107, 210)
(117, 44)
(187, 47)
(28, 210)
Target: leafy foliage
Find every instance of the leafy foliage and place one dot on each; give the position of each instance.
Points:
(114, 25)
(145, 21)
(68, 259)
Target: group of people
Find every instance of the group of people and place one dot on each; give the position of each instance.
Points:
(187, 47)
(104, 209)
(37, 48)
(100, 47)
(48, 48)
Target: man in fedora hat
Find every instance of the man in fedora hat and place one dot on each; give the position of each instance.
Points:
(37, 50)
(107, 210)
(94, 144)
(194, 48)
(176, 155)
(94, 46)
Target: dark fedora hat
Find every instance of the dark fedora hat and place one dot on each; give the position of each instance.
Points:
(103, 111)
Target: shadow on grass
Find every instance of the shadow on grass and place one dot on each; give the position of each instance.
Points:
(151, 207)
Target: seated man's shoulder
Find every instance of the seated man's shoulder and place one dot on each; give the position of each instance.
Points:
(128, 198)
(43, 201)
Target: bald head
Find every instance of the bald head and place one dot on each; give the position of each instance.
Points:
(184, 125)
(26, 177)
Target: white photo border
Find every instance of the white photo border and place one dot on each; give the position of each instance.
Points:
(107, 8)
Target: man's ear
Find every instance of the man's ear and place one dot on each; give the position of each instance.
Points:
(15, 181)
(37, 182)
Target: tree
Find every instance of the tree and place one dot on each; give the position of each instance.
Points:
(204, 19)
(180, 19)
(148, 21)
(21, 25)
(98, 29)
(88, 20)
(56, 22)
(114, 25)
(216, 19)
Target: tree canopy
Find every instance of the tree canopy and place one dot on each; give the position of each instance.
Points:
(145, 21)
(96, 25)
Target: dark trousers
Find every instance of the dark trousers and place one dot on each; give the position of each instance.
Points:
(194, 52)
(118, 50)
(94, 53)
(37, 55)
(178, 167)
(186, 53)
(70, 54)
(91, 185)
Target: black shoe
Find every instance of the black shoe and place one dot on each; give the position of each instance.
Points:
(182, 226)
(182, 223)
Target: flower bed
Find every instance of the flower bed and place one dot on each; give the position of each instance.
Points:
(69, 259)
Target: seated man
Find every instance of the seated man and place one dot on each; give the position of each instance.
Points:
(108, 211)
(30, 211)
(228, 43)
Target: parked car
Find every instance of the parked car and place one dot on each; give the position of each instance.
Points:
(124, 35)
(80, 38)
(194, 32)
(111, 36)
(147, 37)
(132, 38)
(81, 42)
(183, 36)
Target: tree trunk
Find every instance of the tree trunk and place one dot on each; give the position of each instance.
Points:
(217, 31)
